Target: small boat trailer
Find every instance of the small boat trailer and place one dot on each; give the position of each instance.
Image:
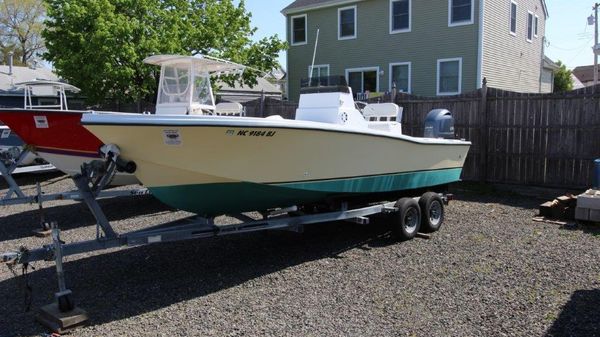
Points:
(406, 219)
(9, 165)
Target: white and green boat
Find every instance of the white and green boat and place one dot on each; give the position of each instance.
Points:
(210, 164)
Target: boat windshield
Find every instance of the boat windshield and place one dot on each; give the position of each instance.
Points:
(175, 84)
(202, 89)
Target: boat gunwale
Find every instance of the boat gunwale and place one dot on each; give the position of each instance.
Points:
(246, 122)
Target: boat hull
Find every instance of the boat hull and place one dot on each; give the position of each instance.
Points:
(210, 168)
(217, 198)
(9, 140)
(58, 137)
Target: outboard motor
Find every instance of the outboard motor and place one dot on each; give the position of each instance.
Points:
(439, 124)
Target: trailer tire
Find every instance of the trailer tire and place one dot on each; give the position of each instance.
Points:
(407, 221)
(432, 208)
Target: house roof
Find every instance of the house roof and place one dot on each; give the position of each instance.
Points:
(262, 84)
(302, 5)
(576, 82)
(549, 64)
(22, 74)
(585, 73)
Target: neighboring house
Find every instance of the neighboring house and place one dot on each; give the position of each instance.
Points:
(576, 82)
(425, 47)
(242, 94)
(547, 77)
(585, 74)
(10, 96)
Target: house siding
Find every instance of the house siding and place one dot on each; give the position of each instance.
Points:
(547, 84)
(430, 39)
(511, 62)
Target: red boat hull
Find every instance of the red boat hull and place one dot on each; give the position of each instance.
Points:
(59, 138)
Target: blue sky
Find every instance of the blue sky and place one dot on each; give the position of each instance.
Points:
(569, 37)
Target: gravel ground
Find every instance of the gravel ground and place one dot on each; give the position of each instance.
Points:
(490, 271)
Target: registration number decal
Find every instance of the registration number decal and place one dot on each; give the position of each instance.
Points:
(251, 133)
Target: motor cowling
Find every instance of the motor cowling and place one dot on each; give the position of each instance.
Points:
(439, 123)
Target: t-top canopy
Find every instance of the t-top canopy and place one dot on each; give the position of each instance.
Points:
(201, 62)
(42, 83)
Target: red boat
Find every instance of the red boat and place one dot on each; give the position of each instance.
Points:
(55, 133)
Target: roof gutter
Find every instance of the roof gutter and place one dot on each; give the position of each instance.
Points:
(545, 8)
(326, 4)
(479, 83)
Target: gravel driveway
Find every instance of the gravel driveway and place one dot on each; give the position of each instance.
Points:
(490, 271)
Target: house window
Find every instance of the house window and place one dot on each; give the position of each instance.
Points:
(529, 26)
(319, 73)
(319, 70)
(347, 23)
(362, 80)
(535, 26)
(449, 76)
(460, 12)
(299, 30)
(513, 18)
(400, 16)
(400, 76)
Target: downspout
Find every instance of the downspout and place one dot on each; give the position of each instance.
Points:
(542, 63)
(480, 46)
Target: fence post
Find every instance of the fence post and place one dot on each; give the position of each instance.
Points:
(484, 133)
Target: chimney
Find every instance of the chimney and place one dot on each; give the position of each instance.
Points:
(10, 63)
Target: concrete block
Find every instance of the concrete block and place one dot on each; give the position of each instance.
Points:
(595, 215)
(591, 201)
(51, 317)
(582, 213)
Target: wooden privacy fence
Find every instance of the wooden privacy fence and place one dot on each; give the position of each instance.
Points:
(268, 106)
(546, 140)
(529, 139)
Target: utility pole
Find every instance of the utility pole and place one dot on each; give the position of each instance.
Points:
(596, 47)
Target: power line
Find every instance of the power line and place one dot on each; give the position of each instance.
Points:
(551, 45)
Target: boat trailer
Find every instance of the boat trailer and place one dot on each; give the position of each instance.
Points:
(9, 165)
(64, 315)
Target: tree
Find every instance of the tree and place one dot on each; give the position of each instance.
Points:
(562, 78)
(21, 24)
(99, 45)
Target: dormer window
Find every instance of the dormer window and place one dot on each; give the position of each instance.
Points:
(299, 30)
(460, 12)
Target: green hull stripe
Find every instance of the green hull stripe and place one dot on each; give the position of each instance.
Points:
(384, 183)
(213, 199)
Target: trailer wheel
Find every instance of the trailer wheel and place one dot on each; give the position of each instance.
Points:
(432, 208)
(407, 220)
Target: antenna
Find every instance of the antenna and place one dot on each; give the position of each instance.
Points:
(313, 59)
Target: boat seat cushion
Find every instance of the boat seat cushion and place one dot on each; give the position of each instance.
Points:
(229, 109)
(382, 112)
